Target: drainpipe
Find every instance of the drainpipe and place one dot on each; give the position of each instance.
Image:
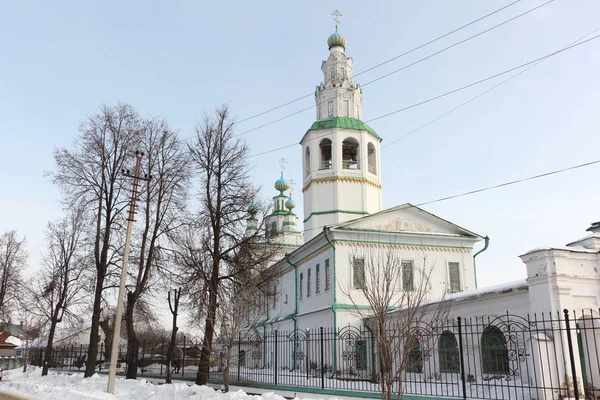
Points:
(287, 258)
(485, 246)
(333, 305)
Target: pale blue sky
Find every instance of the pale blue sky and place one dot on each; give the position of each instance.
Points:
(62, 60)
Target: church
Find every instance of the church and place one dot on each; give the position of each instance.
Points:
(515, 331)
(323, 265)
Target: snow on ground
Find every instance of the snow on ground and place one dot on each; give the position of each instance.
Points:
(74, 387)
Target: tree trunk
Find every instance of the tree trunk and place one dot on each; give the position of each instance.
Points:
(171, 351)
(90, 366)
(48, 355)
(133, 343)
(204, 364)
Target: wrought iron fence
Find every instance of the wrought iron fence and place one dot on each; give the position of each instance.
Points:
(545, 356)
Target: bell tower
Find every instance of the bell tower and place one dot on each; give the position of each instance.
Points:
(340, 153)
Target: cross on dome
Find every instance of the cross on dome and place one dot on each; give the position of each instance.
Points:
(282, 163)
(292, 183)
(336, 17)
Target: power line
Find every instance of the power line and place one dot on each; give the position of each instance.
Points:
(537, 60)
(484, 189)
(404, 67)
(387, 61)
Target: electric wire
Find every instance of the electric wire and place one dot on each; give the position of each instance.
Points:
(404, 67)
(386, 61)
(537, 60)
(484, 189)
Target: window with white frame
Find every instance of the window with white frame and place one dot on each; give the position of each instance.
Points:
(317, 278)
(454, 277)
(327, 279)
(308, 283)
(358, 272)
(301, 285)
(408, 283)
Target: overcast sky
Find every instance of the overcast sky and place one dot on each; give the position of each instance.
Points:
(62, 60)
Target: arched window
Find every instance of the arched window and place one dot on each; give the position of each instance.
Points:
(414, 363)
(350, 154)
(494, 355)
(307, 162)
(325, 146)
(372, 158)
(449, 358)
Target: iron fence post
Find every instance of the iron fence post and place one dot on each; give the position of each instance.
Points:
(183, 357)
(462, 358)
(307, 351)
(162, 352)
(80, 351)
(571, 356)
(239, 352)
(101, 355)
(275, 366)
(322, 362)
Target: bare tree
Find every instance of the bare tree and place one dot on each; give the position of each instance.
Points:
(59, 287)
(174, 308)
(396, 291)
(226, 190)
(161, 210)
(12, 262)
(241, 306)
(91, 174)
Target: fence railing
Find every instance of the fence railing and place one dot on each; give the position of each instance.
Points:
(544, 356)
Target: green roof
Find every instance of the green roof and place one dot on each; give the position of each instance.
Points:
(343, 122)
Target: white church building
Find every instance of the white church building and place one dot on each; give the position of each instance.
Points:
(321, 264)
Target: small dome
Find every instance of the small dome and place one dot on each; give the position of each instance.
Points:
(252, 208)
(336, 39)
(290, 204)
(282, 184)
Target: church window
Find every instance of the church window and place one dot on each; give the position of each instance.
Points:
(454, 277)
(448, 349)
(358, 272)
(494, 354)
(407, 276)
(285, 299)
(273, 229)
(325, 147)
(350, 154)
(317, 279)
(332, 75)
(274, 295)
(301, 285)
(307, 162)
(327, 281)
(330, 108)
(346, 109)
(341, 74)
(372, 159)
(308, 283)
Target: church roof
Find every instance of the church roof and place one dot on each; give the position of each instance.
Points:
(407, 218)
(343, 122)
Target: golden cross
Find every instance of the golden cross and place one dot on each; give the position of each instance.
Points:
(336, 17)
(282, 162)
(292, 183)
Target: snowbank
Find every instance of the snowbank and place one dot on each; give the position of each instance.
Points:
(75, 387)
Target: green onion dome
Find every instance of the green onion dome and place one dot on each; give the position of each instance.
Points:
(290, 204)
(282, 184)
(252, 208)
(336, 39)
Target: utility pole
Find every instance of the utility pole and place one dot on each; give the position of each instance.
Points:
(117, 330)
